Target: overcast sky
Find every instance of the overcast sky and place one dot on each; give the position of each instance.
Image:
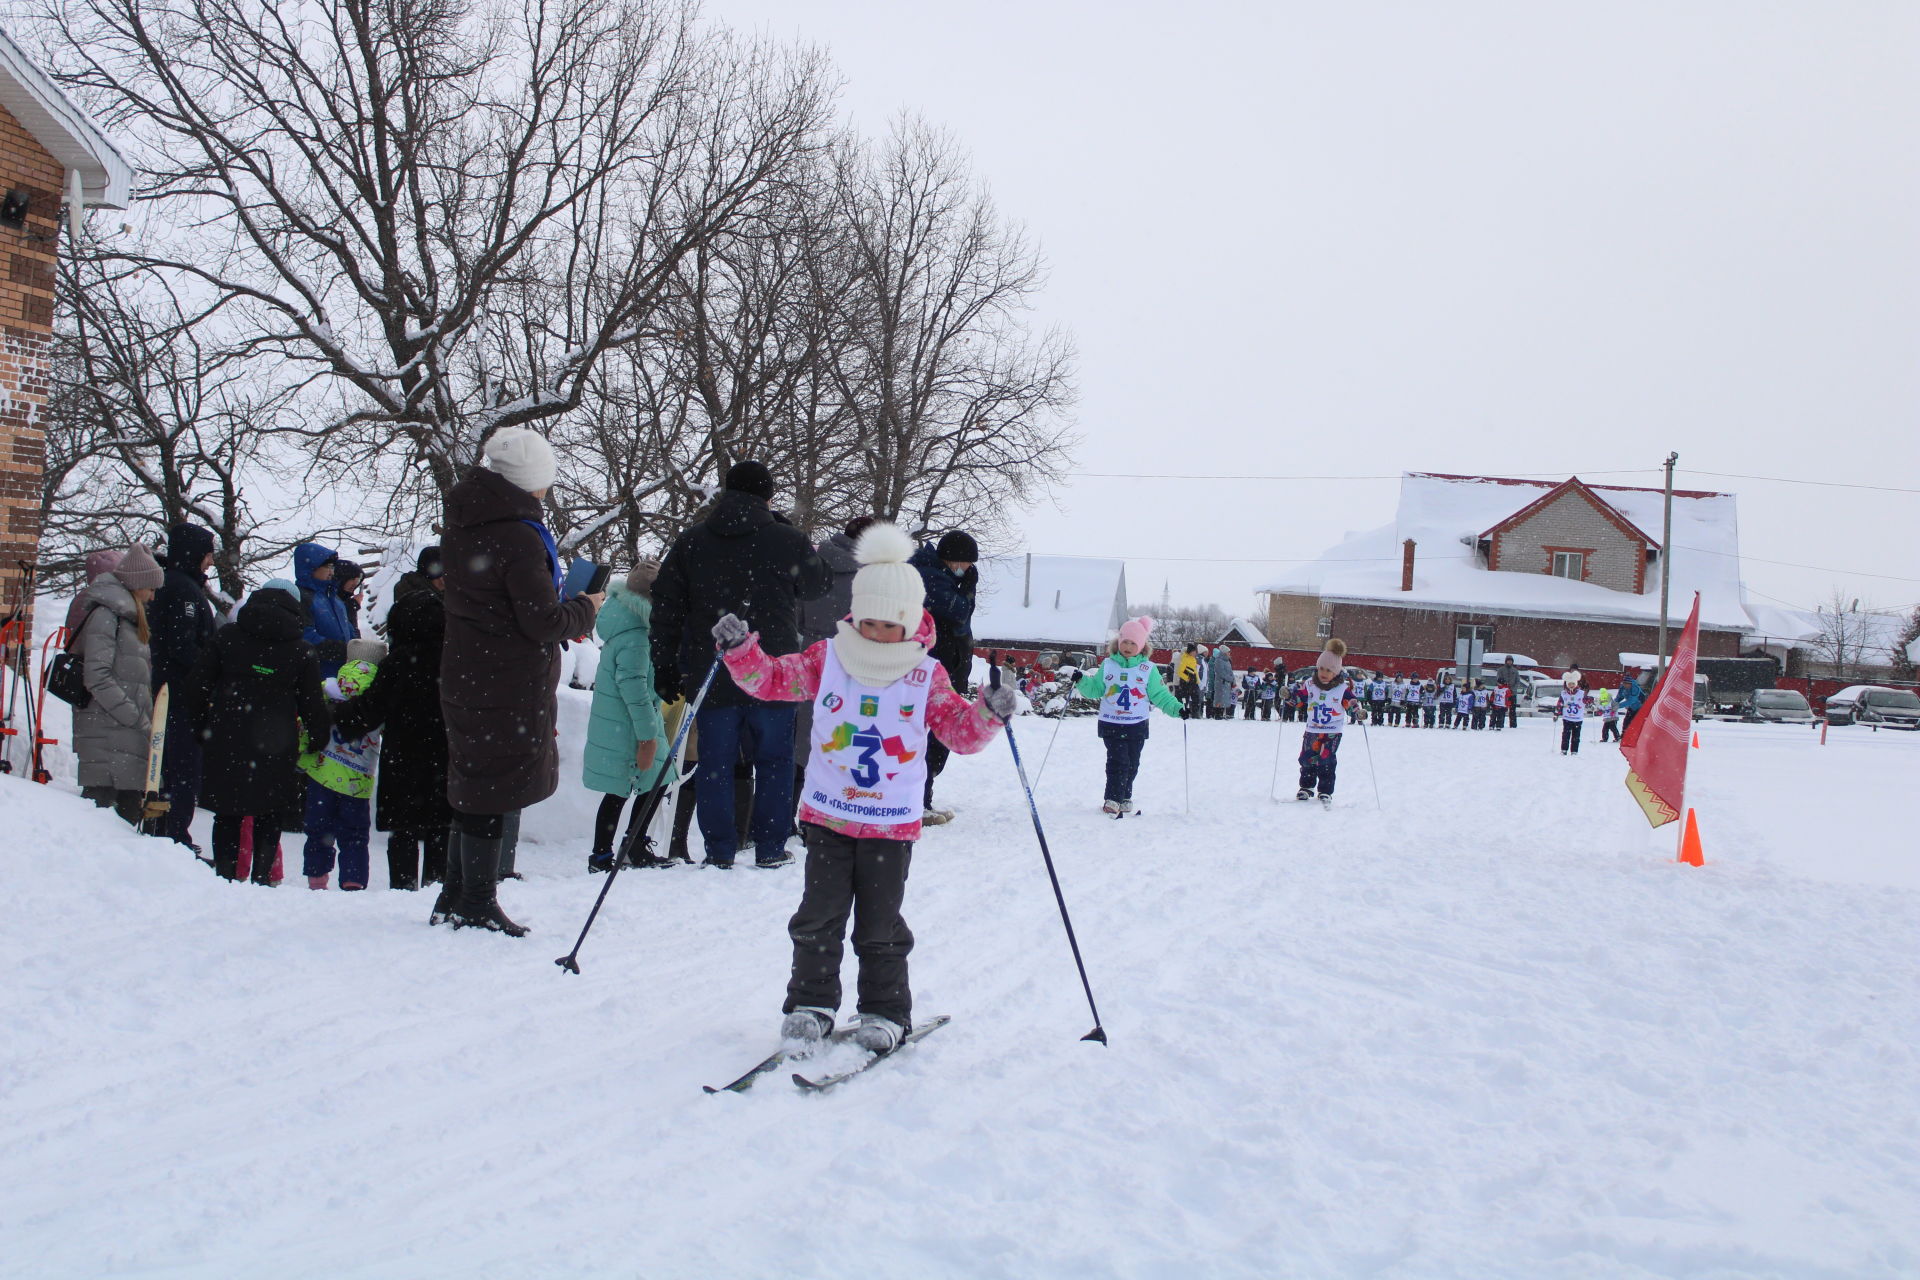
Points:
(1356, 238)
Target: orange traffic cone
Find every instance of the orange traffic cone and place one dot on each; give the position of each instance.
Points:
(1696, 739)
(1690, 843)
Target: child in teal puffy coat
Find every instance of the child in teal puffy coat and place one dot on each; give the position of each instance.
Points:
(626, 746)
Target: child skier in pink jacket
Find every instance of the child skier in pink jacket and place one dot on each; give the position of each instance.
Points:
(876, 697)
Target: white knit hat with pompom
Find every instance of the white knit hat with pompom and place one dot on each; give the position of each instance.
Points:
(887, 588)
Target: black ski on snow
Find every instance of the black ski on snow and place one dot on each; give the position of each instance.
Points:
(768, 1063)
(919, 1033)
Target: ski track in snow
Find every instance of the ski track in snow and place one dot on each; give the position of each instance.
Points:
(1489, 1030)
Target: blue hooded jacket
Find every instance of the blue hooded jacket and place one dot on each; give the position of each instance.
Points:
(328, 626)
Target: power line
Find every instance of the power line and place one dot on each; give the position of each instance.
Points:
(1790, 564)
(1824, 484)
(1398, 475)
(1516, 475)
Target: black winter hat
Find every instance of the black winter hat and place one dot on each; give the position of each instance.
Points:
(428, 565)
(958, 546)
(187, 546)
(750, 477)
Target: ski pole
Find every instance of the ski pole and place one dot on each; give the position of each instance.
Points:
(1273, 789)
(571, 961)
(1186, 769)
(1368, 742)
(1057, 722)
(1099, 1032)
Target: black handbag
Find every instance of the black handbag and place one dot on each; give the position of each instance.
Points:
(65, 679)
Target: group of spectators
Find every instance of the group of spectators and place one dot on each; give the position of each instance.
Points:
(284, 717)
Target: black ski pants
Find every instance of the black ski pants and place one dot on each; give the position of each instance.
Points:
(866, 879)
(404, 851)
(226, 846)
(1570, 736)
(1124, 744)
(1319, 759)
(1497, 718)
(1609, 729)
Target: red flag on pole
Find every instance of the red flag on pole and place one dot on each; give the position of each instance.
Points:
(1655, 744)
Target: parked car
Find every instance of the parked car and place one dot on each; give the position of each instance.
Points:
(1776, 706)
(1876, 705)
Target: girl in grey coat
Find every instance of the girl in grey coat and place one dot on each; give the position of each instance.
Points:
(110, 732)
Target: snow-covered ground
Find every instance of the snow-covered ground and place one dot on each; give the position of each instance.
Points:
(1489, 1029)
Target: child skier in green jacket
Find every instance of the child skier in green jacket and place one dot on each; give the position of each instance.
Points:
(1127, 685)
(339, 809)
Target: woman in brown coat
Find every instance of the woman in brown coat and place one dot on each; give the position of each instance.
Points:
(500, 666)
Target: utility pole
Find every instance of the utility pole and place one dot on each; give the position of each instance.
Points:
(1666, 560)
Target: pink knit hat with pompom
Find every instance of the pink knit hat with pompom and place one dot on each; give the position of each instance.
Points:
(1137, 630)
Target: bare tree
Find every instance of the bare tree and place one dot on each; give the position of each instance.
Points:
(1845, 637)
(959, 410)
(1178, 625)
(454, 211)
(151, 423)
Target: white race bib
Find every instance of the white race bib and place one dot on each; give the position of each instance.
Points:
(1326, 708)
(869, 757)
(1125, 698)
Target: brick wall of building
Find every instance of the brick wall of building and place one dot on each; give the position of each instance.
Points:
(1291, 621)
(26, 328)
(1557, 643)
(1615, 560)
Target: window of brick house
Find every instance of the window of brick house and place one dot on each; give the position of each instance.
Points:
(1569, 564)
(1473, 631)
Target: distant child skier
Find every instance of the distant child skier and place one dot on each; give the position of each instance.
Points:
(1429, 702)
(1572, 710)
(1128, 686)
(1480, 700)
(1330, 699)
(1609, 708)
(339, 810)
(876, 696)
(1497, 700)
(1443, 703)
(1376, 692)
(1269, 690)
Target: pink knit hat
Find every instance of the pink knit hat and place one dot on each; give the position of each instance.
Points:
(1137, 630)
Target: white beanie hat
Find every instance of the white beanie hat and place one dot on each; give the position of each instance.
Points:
(521, 457)
(887, 588)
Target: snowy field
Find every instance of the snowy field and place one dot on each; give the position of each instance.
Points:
(1489, 1029)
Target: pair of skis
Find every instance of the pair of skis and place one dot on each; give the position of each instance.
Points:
(814, 1085)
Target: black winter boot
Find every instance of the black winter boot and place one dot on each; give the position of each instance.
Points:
(449, 894)
(478, 906)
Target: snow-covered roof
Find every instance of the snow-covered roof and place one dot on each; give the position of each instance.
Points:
(68, 133)
(1444, 515)
(1055, 599)
(1241, 631)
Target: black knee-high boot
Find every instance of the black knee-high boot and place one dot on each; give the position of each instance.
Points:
(449, 896)
(478, 906)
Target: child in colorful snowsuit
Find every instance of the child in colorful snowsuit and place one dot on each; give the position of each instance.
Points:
(1330, 698)
(877, 697)
(339, 810)
(1497, 700)
(1269, 689)
(1609, 708)
(1572, 710)
(1128, 686)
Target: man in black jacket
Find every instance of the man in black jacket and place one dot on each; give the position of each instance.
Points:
(948, 571)
(745, 560)
(181, 622)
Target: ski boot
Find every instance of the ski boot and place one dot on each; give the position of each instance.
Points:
(878, 1035)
